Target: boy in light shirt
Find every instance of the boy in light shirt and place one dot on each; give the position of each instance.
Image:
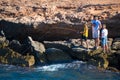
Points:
(104, 35)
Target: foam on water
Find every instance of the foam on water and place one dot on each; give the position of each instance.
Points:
(56, 67)
(76, 70)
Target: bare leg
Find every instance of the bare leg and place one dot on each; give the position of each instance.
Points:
(81, 42)
(106, 48)
(87, 44)
(97, 42)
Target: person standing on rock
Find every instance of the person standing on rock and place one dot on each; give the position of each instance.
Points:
(96, 26)
(104, 34)
(85, 35)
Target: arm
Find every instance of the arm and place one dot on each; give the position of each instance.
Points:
(81, 32)
(100, 25)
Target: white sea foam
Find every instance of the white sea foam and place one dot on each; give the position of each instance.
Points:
(56, 67)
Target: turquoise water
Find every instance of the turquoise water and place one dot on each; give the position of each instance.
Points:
(76, 70)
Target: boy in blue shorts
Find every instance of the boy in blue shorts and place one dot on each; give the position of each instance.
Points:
(104, 34)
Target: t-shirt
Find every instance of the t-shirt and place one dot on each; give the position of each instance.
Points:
(104, 33)
(96, 23)
(85, 33)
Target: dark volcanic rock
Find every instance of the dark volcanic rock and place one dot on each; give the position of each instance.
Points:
(16, 46)
(57, 55)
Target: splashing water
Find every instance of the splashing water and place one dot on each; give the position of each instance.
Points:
(76, 70)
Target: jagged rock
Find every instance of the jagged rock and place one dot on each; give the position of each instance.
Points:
(80, 53)
(72, 18)
(2, 39)
(37, 46)
(38, 50)
(3, 42)
(8, 56)
(57, 55)
(77, 43)
(116, 45)
(110, 41)
(114, 59)
(59, 15)
(99, 59)
(30, 60)
(66, 47)
(16, 46)
(2, 34)
(113, 69)
(117, 40)
(100, 62)
(74, 42)
(118, 52)
(94, 57)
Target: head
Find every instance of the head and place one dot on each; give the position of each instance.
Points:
(95, 17)
(104, 26)
(85, 23)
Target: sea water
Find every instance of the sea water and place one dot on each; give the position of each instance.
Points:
(76, 70)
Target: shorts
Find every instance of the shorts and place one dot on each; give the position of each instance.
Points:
(84, 37)
(96, 34)
(104, 41)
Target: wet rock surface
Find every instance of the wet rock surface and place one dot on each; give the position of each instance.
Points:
(91, 56)
(57, 55)
(59, 51)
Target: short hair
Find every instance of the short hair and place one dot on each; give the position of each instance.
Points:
(104, 25)
(95, 16)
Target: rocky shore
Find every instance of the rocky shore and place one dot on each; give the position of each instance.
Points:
(33, 53)
(43, 32)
